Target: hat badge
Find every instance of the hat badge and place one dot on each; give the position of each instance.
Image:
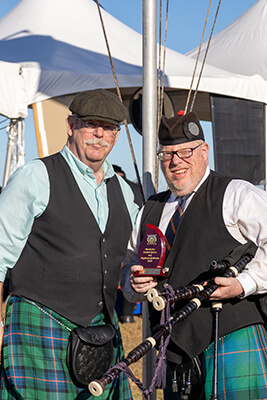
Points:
(193, 128)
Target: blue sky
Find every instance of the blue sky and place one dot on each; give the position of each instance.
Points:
(185, 25)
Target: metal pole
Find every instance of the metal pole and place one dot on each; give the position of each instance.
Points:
(11, 143)
(149, 130)
(265, 139)
(149, 111)
(20, 143)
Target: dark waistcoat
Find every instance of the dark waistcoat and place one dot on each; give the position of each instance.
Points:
(67, 263)
(201, 237)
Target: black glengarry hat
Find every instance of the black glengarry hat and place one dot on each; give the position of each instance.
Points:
(100, 105)
(180, 129)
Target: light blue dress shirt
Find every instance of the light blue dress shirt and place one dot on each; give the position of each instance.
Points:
(27, 194)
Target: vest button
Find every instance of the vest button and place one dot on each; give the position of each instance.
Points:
(105, 286)
(105, 256)
(105, 272)
(103, 240)
(100, 303)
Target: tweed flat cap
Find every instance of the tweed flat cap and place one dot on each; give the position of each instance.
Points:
(180, 129)
(99, 104)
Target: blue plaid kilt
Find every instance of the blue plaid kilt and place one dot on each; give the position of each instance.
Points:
(242, 366)
(34, 357)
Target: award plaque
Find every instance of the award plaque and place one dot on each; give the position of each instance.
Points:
(152, 251)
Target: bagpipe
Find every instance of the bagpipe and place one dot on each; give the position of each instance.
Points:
(160, 299)
(230, 266)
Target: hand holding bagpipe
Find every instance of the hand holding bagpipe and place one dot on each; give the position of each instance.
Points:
(161, 298)
(97, 387)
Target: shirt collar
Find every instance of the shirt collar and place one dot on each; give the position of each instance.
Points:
(78, 166)
(173, 197)
(207, 172)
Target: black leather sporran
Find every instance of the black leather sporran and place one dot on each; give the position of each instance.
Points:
(90, 353)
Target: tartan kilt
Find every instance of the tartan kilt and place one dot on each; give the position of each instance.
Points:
(242, 367)
(34, 357)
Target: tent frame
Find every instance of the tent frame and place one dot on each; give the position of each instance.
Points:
(15, 155)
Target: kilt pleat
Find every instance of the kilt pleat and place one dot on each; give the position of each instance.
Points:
(242, 365)
(34, 357)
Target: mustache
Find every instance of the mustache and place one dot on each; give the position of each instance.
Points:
(100, 142)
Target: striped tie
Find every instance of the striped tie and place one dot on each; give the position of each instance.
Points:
(174, 221)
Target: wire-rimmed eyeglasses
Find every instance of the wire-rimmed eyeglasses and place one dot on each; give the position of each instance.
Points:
(182, 153)
(92, 126)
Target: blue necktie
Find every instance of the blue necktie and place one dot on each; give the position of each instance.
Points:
(174, 221)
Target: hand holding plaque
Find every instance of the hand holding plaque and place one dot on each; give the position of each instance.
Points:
(152, 251)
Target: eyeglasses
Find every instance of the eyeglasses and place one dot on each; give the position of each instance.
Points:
(109, 130)
(183, 153)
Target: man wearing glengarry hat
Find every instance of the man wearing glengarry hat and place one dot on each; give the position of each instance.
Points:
(64, 225)
(217, 216)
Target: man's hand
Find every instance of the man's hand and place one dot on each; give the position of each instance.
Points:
(141, 284)
(229, 287)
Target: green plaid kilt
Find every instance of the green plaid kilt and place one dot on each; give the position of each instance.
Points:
(34, 357)
(242, 366)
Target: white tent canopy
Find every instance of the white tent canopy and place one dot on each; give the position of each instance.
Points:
(56, 51)
(241, 47)
(12, 89)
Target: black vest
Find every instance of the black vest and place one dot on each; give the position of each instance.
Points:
(201, 238)
(67, 263)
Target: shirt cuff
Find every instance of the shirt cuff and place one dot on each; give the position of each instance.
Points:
(3, 272)
(248, 284)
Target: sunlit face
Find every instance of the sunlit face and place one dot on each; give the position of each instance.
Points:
(183, 175)
(90, 146)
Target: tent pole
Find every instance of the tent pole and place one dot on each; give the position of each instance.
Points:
(149, 129)
(40, 132)
(20, 143)
(10, 151)
(265, 140)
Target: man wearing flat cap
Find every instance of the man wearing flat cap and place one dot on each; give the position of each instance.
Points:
(64, 224)
(205, 216)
